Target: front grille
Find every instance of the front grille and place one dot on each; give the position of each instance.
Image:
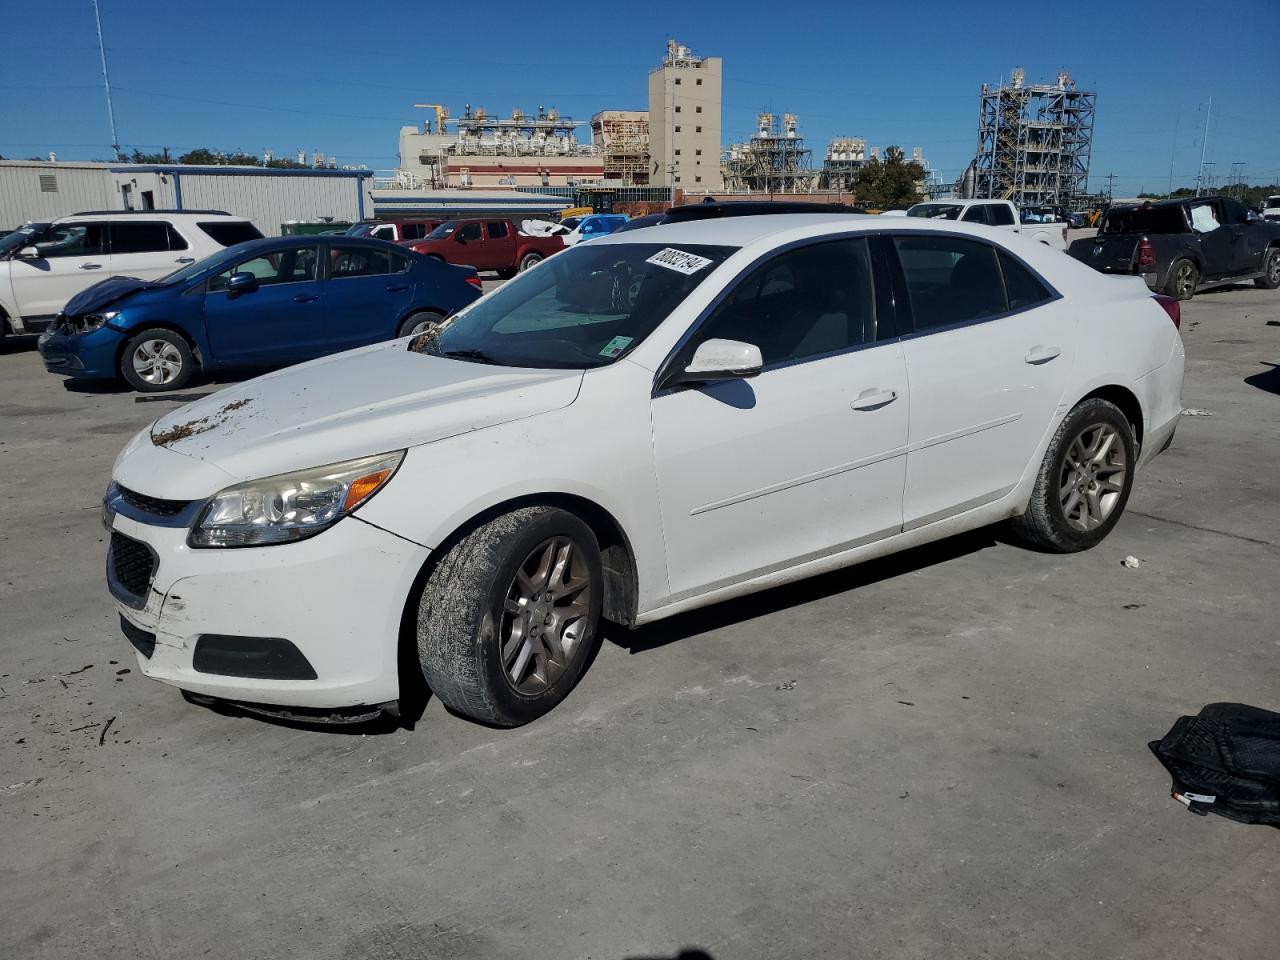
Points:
(130, 566)
(152, 505)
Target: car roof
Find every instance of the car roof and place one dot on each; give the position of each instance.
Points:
(177, 215)
(737, 231)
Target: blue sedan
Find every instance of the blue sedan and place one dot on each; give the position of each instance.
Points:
(260, 303)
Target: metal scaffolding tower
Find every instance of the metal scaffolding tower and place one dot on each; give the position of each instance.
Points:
(844, 156)
(774, 160)
(622, 137)
(1034, 142)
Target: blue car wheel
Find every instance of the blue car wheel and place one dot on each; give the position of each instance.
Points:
(155, 360)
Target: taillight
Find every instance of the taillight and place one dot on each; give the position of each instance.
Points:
(1146, 253)
(474, 280)
(1172, 307)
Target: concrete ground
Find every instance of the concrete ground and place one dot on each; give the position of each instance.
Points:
(942, 754)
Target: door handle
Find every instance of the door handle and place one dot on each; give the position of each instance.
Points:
(400, 289)
(90, 266)
(306, 297)
(873, 399)
(185, 260)
(1040, 354)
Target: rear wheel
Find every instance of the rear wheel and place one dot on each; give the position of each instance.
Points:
(1270, 278)
(508, 619)
(419, 322)
(530, 259)
(1183, 279)
(1084, 480)
(157, 359)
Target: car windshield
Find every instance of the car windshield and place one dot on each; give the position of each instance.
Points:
(360, 229)
(442, 231)
(571, 222)
(1272, 202)
(585, 307)
(1145, 220)
(22, 237)
(936, 211)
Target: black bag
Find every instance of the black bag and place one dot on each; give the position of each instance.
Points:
(1226, 761)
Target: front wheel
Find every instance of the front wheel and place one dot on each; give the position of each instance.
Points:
(1084, 480)
(1183, 280)
(1270, 278)
(419, 322)
(508, 619)
(530, 259)
(157, 359)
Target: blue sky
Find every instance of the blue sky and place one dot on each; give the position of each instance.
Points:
(342, 77)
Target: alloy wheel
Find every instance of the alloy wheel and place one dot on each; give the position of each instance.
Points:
(157, 361)
(545, 615)
(1273, 269)
(422, 326)
(1185, 282)
(1093, 477)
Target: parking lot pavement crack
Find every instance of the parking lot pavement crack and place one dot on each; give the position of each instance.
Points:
(1196, 526)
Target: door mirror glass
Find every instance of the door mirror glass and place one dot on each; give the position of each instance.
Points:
(718, 359)
(242, 282)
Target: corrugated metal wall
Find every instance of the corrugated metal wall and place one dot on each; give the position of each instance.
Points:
(270, 201)
(23, 195)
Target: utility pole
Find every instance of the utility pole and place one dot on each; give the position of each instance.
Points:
(1173, 151)
(106, 81)
(1111, 180)
(1204, 142)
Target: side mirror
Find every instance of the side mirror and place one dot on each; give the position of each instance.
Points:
(242, 283)
(29, 253)
(717, 359)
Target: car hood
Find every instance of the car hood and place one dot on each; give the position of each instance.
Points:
(363, 402)
(104, 293)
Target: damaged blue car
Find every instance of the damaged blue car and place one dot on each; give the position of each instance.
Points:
(263, 303)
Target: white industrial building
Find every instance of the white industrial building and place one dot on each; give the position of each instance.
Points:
(270, 197)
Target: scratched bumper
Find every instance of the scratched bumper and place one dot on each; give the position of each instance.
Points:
(338, 597)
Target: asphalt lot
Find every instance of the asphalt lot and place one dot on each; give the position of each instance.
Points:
(938, 755)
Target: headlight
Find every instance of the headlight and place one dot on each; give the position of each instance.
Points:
(88, 322)
(292, 506)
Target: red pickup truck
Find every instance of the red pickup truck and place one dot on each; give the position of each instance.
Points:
(487, 244)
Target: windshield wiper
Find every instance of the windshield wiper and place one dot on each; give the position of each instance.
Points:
(477, 356)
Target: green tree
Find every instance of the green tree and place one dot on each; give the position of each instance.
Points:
(162, 157)
(889, 183)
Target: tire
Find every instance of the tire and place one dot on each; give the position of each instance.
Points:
(1270, 278)
(172, 362)
(473, 602)
(1184, 277)
(530, 259)
(1095, 500)
(419, 322)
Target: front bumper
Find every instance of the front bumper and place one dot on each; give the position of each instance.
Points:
(337, 597)
(90, 355)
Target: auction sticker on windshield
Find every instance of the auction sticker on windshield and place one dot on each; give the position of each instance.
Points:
(615, 346)
(678, 260)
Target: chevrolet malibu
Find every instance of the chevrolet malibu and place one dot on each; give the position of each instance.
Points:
(642, 425)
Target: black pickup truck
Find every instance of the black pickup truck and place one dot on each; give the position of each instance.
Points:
(1181, 246)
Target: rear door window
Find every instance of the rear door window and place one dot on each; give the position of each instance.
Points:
(950, 280)
(227, 233)
(359, 261)
(135, 236)
(999, 215)
(496, 229)
(1024, 288)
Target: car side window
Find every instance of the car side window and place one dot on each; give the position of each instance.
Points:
(805, 303)
(140, 237)
(1235, 212)
(295, 265)
(950, 280)
(976, 214)
(1204, 217)
(72, 240)
(358, 262)
(470, 232)
(497, 229)
(1023, 288)
(387, 232)
(1000, 215)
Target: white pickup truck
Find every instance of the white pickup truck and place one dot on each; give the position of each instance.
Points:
(993, 213)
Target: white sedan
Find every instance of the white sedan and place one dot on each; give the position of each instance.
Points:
(644, 424)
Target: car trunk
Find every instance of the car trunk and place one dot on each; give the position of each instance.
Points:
(1110, 253)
